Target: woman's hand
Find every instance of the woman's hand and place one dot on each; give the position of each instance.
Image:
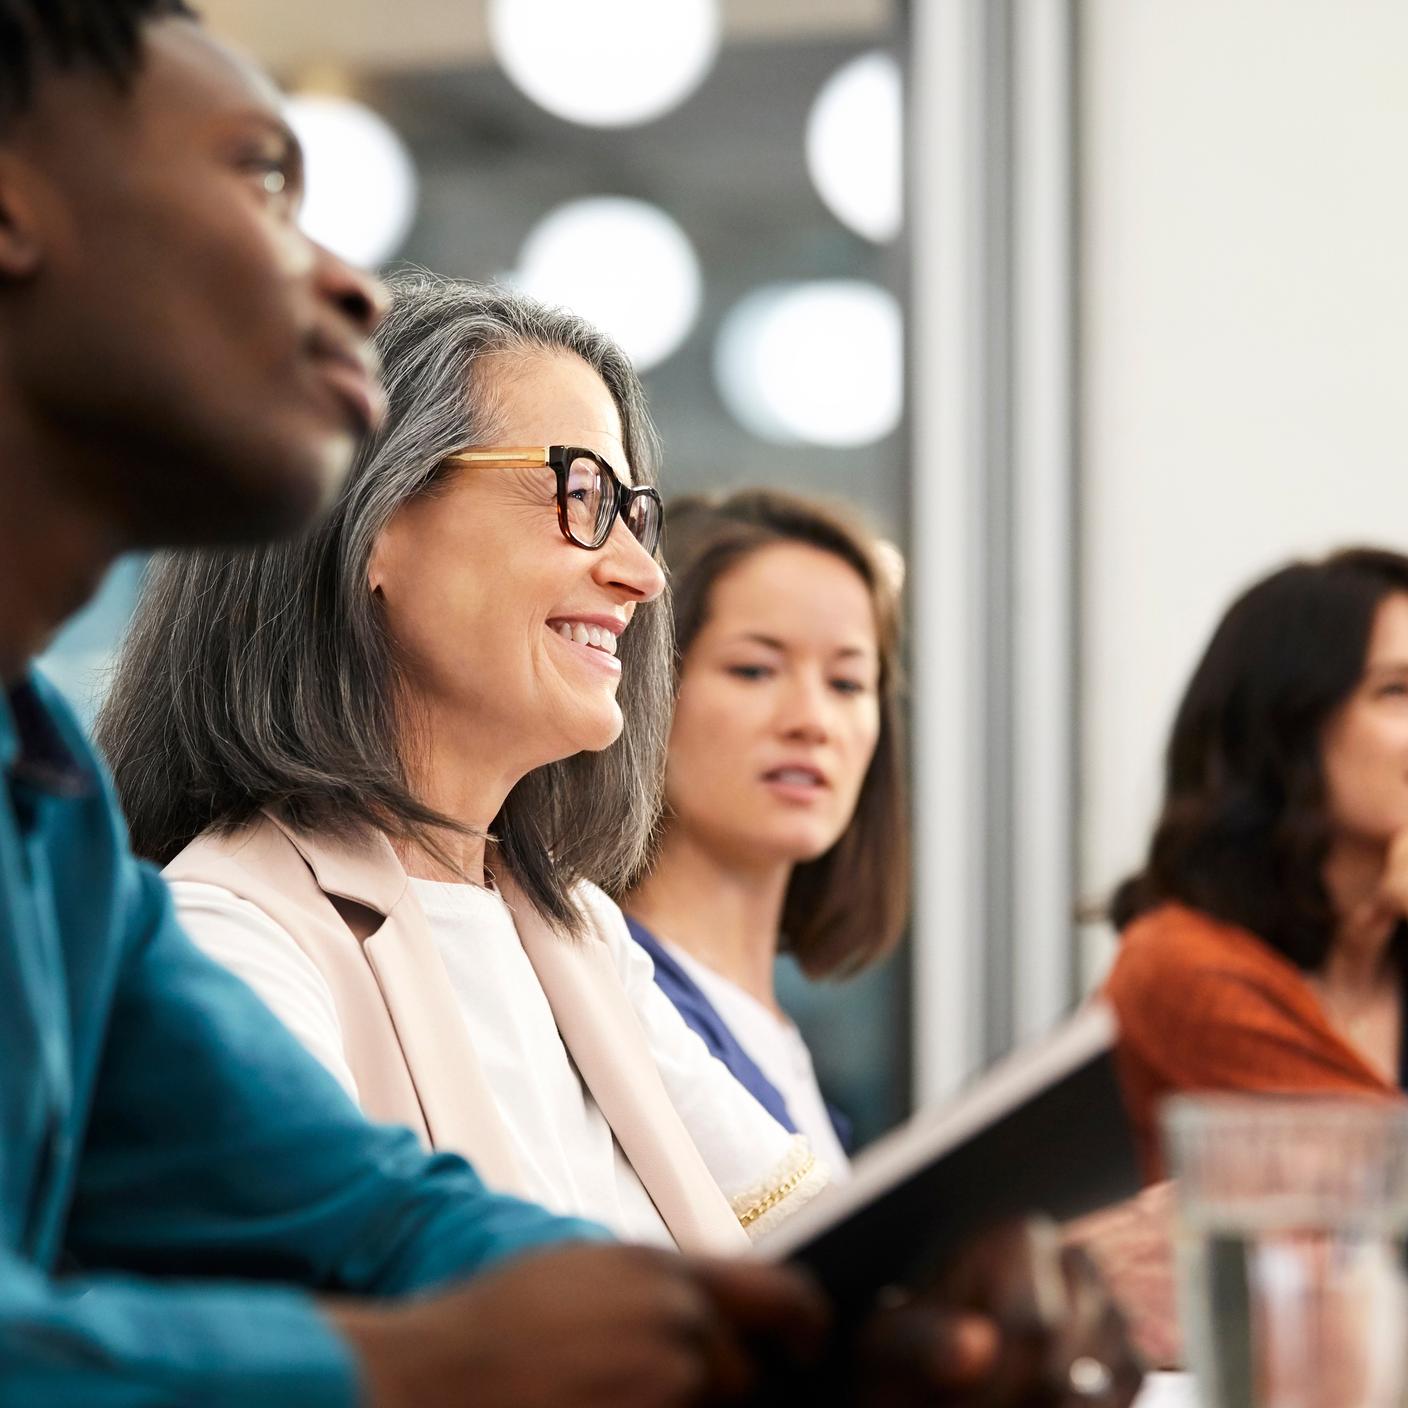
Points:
(1018, 1319)
(1132, 1244)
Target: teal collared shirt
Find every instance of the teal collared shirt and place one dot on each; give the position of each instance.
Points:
(177, 1176)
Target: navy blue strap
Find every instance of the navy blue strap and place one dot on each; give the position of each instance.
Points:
(701, 1015)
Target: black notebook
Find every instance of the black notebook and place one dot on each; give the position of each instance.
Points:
(1043, 1131)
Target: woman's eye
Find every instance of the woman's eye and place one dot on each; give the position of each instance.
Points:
(580, 486)
(843, 686)
(749, 672)
(1394, 689)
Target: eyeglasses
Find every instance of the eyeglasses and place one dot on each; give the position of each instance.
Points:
(590, 496)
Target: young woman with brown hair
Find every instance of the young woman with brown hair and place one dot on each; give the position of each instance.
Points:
(787, 824)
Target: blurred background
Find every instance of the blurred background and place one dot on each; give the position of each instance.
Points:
(1097, 308)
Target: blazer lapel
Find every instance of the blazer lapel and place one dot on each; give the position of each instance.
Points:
(455, 1098)
(601, 1031)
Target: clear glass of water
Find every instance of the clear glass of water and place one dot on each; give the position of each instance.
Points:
(1292, 1220)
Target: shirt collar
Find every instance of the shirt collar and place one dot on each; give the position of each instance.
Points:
(33, 750)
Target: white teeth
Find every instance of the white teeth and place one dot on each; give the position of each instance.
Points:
(597, 637)
(797, 776)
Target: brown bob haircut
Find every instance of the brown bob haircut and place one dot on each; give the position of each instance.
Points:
(850, 906)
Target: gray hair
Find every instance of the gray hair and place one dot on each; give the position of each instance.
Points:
(266, 678)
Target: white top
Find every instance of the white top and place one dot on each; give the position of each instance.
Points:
(565, 1149)
(778, 1050)
(1168, 1390)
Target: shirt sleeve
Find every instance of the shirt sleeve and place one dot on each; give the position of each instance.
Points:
(765, 1172)
(243, 938)
(123, 1342)
(219, 1155)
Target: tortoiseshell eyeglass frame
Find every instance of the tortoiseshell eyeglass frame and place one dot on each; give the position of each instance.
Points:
(620, 498)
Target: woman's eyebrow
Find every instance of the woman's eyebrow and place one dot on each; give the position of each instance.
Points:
(845, 652)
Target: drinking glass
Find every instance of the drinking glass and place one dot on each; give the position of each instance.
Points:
(1292, 1216)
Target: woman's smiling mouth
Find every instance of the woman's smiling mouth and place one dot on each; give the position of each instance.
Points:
(591, 641)
(582, 633)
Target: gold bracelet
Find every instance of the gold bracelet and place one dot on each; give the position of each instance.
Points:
(777, 1194)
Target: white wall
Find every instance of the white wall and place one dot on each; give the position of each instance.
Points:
(1245, 319)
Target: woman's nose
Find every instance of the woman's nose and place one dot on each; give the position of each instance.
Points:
(806, 711)
(624, 566)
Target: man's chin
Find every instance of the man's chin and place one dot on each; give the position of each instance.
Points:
(237, 511)
(282, 505)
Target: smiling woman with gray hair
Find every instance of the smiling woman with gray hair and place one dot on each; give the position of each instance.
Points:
(387, 766)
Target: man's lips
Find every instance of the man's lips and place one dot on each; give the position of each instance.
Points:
(357, 388)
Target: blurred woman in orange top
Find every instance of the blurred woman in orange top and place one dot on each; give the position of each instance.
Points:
(1263, 941)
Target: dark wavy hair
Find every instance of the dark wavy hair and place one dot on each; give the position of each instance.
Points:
(106, 35)
(1244, 832)
(848, 907)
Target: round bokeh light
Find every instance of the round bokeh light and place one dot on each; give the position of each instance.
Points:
(362, 187)
(854, 143)
(814, 363)
(622, 264)
(607, 63)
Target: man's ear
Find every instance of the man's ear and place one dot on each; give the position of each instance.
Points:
(20, 245)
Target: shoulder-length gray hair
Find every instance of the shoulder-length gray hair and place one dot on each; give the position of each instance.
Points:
(267, 678)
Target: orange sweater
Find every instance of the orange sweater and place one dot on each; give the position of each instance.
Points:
(1204, 1005)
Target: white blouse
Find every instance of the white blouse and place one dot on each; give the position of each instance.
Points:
(569, 1158)
(778, 1050)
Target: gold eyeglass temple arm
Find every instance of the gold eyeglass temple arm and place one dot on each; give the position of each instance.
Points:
(512, 458)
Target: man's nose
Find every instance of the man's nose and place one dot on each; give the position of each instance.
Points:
(360, 296)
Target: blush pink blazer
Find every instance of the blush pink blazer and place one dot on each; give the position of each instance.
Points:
(351, 909)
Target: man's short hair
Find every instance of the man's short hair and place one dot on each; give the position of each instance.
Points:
(66, 34)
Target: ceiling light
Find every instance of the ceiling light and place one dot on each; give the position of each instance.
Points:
(361, 196)
(854, 140)
(818, 363)
(622, 264)
(608, 63)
